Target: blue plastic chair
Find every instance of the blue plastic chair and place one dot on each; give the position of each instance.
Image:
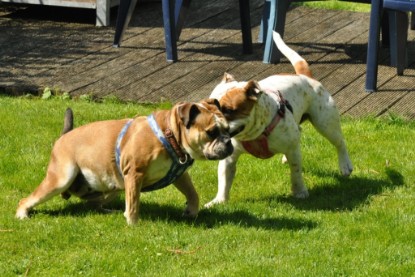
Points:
(273, 19)
(174, 13)
(398, 32)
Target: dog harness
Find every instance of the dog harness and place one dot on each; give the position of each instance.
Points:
(118, 145)
(181, 161)
(259, 146)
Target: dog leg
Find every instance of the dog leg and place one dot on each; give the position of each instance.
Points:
(299, 190)
(133, 182)
(57, 180)
(226, 174)
(328, 125)
(184, 185)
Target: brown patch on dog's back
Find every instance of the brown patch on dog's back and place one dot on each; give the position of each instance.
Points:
(303, 68)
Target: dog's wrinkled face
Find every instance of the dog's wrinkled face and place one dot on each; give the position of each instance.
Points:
(205, 131)
(237, 101)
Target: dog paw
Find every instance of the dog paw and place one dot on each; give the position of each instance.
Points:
(190, 214)
(131, 220)
(345, 165)
(214, 202)
(301, 194)
(346, 170)
(22, 214)
(284, 159)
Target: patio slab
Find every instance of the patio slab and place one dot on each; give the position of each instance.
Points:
(62, 49)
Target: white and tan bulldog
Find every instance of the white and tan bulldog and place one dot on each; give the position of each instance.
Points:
(97, 160)
(270, 111)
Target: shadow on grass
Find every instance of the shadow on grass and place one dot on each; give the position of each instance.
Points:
(347, 194)
(207, 218)
(212, 218)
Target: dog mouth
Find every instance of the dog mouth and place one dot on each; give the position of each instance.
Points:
(222, 147)
(219, 150)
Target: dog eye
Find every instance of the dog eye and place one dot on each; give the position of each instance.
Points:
(213, 133)
(227, 111)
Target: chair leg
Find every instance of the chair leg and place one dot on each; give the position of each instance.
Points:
(125, 10)
(398, 36)
(245, 15)
(264, 22)
(373, 45)
(180, 12)
(385, 30)
(275, 22)
(170, 35)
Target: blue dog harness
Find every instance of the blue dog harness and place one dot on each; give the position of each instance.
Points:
(118, 144)
(181, 161)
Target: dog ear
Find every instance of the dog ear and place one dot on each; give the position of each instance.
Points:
(188, 113)
(253, 91)
(227, 78)
(212, 101)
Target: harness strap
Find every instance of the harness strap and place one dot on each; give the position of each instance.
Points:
(180, 161)
(277, 117)
(280, 114)
(118, 144)
(259, 146)
(159, 134)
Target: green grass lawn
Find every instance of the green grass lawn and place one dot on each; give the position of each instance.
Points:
(336, 5)
(358, 226)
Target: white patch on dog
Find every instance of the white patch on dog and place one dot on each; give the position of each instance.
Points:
(103, 182)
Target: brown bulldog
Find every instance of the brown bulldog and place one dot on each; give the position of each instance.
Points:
(97, 160)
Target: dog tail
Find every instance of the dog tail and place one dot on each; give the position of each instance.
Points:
(67, 126)
(300, 65)
(67, 121)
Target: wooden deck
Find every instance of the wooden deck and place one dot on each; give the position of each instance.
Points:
(61, 48)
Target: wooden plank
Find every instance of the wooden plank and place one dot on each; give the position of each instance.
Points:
(114, 69)
(128, 65)
(204, 39)
(405, 106)
(301, 29)
(83, 61)
(251, 70)
(178, 74)
(392, 90)
(86, 4)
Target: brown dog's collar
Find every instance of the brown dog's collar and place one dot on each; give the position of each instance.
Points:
(183, 157)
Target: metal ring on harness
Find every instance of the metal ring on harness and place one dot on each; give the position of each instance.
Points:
(185, 159)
